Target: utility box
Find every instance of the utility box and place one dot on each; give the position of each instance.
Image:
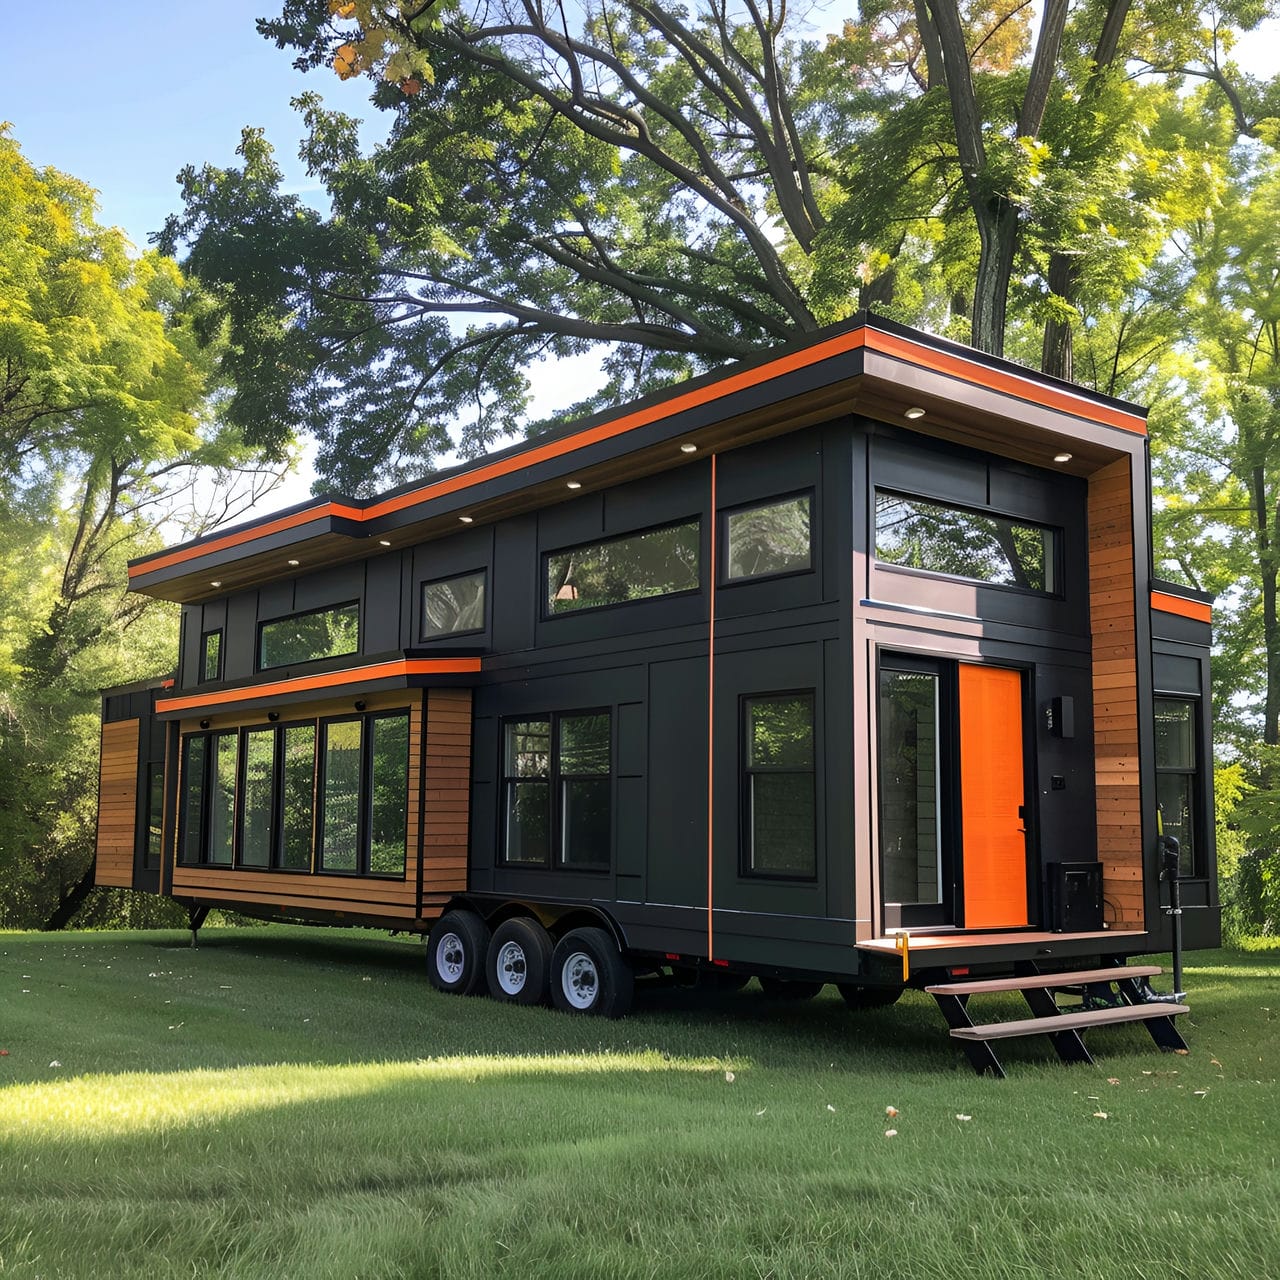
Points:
(1075, 897)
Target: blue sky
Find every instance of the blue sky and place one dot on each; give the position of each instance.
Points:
(124, 95)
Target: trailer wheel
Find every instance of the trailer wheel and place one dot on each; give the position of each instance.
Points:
(859, 997)
(589, 975)
(518, 965)
(455, 953)
(789, 989)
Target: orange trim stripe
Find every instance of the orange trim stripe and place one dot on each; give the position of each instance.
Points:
(711, 717)
(948, 363)
(1014, 384)
(327, 680)
(1197, 610)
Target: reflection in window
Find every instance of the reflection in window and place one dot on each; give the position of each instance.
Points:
(195, 757)
(638, 567)
(527, 782)
(307, 637)
(584, 790)
(388, 800)
(222, 800)
(780, 822)
(453, 605)
(340, 792)
(297, 788)
(1176, 768)
(211, 656)
(257, 808)
(966, 544)
(155, 816)
(910, 788)
(769, 539)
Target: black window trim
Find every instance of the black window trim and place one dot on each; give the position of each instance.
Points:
(205, 637)
(723, 580)
(555, 833)
(437, 637)
(264, 623)
(888, 566)
(746, 772)
(1194, 774)
(549, 615)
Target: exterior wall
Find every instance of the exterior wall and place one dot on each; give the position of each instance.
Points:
(440, 806)
(117, 803)
(1113, 615)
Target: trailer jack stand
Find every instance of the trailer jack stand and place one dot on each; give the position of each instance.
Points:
(195, 918)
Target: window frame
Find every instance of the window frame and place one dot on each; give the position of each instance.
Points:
(725, 514)
(555, 779)
(426, 637)
(259, 665)
(1193, 774)
(205, 637)
(550, 615)
(747, 773)
(1054, 564)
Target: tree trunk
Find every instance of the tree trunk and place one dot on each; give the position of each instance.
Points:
(71, 902)
(1270, 629)
(998, 233)
(1057, 356)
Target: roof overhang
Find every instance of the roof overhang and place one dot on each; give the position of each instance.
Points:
(870, 367)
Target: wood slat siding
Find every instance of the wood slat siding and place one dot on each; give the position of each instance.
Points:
(446, 825)
(1112, 610)
(117, 803)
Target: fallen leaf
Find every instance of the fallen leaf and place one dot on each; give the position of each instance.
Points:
(891, 1133)
(1099, 1115)
(1200, 1093)
(1112, 1080)
(1213, 1062)
(830, 1107)
(729, 1077)
(1182, 1053)
(960, 1116)
(762, 1111)
(55, 1063)
(891, 1112)
(4, 1053)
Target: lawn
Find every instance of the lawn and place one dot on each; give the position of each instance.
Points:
(287, 1102)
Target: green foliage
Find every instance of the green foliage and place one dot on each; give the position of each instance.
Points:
(103, 416)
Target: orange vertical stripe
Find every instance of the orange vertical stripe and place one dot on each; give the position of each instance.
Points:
(991, 792)
(711, 712)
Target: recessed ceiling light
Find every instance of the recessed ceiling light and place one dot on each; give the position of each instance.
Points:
(466, 519)
(574, 484)
(217, 582)
(295, 563)
(1062, 457)
(914, 412)
(689, 447)
(384, 542)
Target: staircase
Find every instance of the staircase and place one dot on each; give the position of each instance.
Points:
(1108, 997)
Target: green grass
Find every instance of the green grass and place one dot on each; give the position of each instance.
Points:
(284, 1102)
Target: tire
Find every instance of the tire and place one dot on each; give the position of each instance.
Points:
(517, 966)
(456, 949)
(589, 975)
(789, 989)
(859, 997)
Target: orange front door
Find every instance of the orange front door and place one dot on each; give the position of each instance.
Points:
(992, 772)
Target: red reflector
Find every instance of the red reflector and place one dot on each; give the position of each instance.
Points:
(724, 964)
(671, 955)
(960, 973)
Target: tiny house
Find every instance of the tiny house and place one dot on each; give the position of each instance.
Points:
(847, 650)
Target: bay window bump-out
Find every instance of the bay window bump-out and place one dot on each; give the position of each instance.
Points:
(779, 791)
(557, 791)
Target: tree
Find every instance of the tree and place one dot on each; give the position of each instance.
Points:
(104, 426)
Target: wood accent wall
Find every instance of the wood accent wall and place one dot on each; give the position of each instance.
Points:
(445, 826)
(117, 803)
(440, 745)
(1113, 618)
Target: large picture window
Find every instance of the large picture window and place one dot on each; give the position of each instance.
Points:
(779, 793)
(770, 539)
(557, 791)
(1177, 769)
(640, 566)
(260, 784)
(982, 547)
(308, 637)
(453, 606)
